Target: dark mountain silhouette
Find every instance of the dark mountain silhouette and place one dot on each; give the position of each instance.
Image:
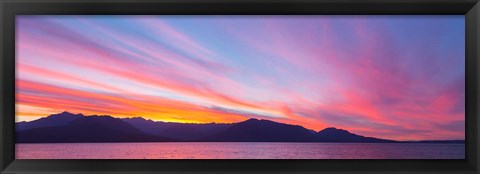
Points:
(254, 130)
(60, 119)
(339, 135)
(179, 131)
(69, 128)
(87, 129)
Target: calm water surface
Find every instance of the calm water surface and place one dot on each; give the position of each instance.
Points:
(239, 151)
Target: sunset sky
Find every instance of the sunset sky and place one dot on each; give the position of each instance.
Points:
(394, 77)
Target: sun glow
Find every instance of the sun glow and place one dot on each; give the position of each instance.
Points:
(356, 73)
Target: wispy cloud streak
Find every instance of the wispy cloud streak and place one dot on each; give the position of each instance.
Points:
(384, 76)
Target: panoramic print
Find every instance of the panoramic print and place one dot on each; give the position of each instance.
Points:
(240, 87)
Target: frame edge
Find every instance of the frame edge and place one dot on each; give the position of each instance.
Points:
(7, 75)
(7, 94)
(472, 39)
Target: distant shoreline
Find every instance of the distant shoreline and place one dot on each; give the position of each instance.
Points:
(66, 127)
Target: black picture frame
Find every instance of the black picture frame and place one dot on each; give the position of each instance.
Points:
(10, 8)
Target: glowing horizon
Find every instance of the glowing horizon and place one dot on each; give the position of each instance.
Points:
(392, 77)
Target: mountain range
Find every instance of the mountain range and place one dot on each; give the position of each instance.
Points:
(66, 127)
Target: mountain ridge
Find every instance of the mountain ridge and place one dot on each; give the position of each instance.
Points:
(66, 127)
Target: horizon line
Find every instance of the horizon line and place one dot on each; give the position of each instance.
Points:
(329, 127)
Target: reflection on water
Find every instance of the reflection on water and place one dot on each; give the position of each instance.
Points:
(243, 150)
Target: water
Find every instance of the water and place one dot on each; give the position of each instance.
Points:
(244, 150)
